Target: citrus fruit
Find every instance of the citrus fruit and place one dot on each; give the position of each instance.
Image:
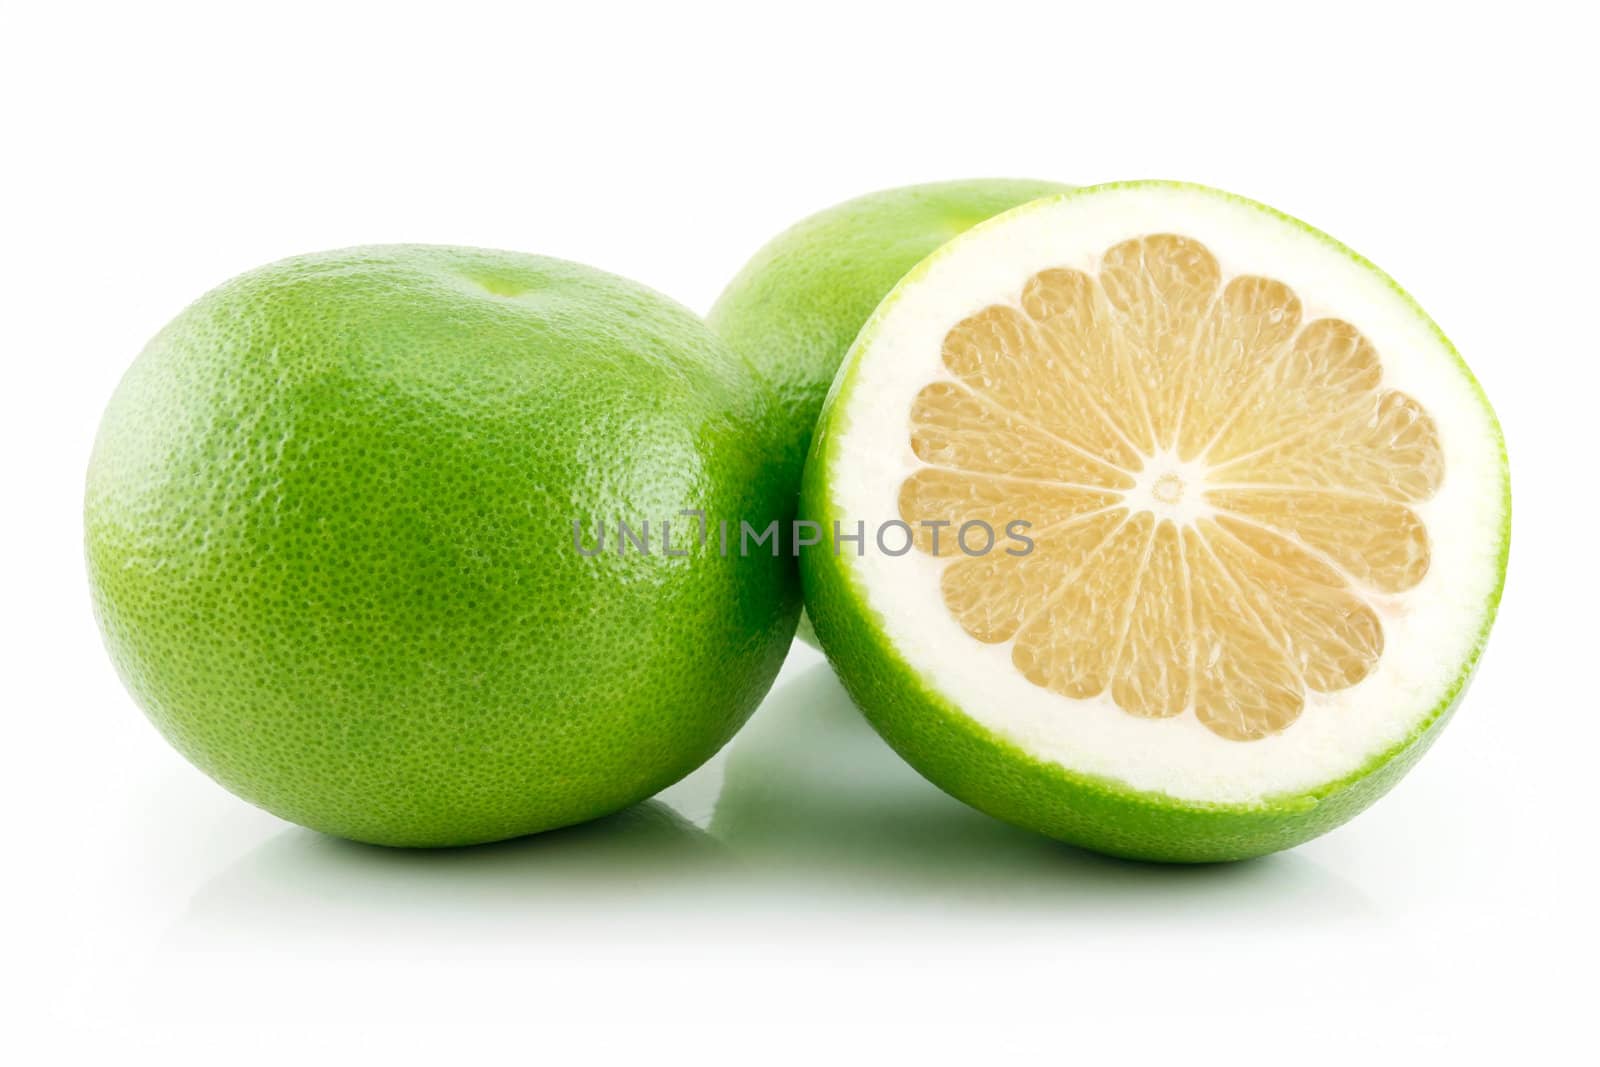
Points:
(796, 306)
(352, 531)
(1261, 517)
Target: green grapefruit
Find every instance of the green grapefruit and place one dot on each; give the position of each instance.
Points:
(796, 306)
(330, 534)
(1266, 517)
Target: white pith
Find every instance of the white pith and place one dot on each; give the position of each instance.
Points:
(1188, 478)
(1430, 630)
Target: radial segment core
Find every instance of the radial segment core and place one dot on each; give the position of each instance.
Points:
(1219, 490)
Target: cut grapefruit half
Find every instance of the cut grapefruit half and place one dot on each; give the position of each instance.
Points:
(1207, 520)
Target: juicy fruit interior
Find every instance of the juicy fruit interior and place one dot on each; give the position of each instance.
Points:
(1218, 486)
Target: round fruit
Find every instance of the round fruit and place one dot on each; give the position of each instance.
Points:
(795, 308)
(1225, 522)
(342, 520)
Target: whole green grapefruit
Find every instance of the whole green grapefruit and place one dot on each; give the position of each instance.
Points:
(352, 534)
(795, 308)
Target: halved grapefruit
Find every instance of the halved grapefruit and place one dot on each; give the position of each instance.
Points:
(1236, 519)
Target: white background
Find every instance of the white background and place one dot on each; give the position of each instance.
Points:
(836, 908)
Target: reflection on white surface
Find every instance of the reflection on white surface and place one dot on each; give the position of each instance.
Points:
(810, 792)
(806, 813)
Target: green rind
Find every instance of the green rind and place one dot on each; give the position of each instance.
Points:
(992, 774)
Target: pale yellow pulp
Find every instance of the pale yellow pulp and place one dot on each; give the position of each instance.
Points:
(1219, 490)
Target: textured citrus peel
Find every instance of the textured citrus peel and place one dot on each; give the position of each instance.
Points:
(1218, 489)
